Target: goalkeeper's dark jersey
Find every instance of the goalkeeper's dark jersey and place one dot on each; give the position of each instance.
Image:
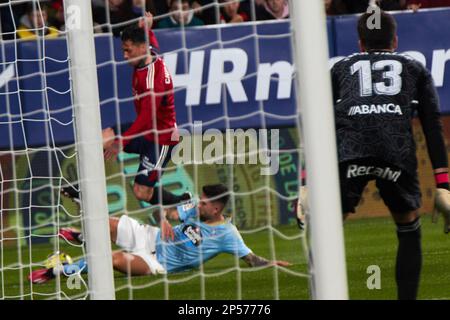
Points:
(376, 95)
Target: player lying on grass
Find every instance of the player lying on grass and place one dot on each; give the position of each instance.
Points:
(203, 233)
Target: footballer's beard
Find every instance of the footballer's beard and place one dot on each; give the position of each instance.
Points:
(203, 217)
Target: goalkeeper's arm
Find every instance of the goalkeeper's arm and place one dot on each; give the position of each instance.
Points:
(430, 119)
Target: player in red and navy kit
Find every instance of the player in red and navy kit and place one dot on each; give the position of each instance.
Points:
(154, 132)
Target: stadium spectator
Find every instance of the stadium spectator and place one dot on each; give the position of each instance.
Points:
(272, 9)
(181, 15)
(98, 15)
(391, 5)
(196, 6)
(377, 143)
(231, 12)
(115, 19)
(211, 11)
(140, 7)
(34, 24)
(359, 6)
(207, 11)
(56, 14)
(335, 7)
(202, 233)
(415, 5)
(161, 7)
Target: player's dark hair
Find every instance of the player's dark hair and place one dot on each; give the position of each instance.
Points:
(377, 38)
(217, 192)
(133, 33)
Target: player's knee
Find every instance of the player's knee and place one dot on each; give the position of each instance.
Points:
(405, 217)
(143, 193)
(117, 260)
(113, 225)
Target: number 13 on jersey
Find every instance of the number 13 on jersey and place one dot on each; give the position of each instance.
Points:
(366, 85)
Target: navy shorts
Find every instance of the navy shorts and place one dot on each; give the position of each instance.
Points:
(399, 189)
(152, 159)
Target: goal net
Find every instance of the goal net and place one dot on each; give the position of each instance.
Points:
(236, 110)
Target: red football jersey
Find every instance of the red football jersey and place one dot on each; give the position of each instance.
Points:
(154, 104)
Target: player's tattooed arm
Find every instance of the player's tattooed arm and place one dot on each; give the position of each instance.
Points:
(256, 261)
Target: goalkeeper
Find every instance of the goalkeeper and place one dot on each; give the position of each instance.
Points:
(202, 234)
(376, 94)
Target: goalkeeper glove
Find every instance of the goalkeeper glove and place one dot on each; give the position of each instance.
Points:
(442, 205)
(302, 207)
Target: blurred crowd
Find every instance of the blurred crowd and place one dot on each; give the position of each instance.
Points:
(339, 7)
(26, 20)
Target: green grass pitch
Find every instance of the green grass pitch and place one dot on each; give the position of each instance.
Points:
(368, 242)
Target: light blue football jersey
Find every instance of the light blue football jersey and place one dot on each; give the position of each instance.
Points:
(196, 242)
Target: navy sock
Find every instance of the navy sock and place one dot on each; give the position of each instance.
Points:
(409, 260)
(168, 198)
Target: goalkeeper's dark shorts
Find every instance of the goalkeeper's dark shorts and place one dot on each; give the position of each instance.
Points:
(399, 189)
(152, 160)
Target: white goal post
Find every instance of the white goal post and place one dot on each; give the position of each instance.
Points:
(85, 97)
(315, 101)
